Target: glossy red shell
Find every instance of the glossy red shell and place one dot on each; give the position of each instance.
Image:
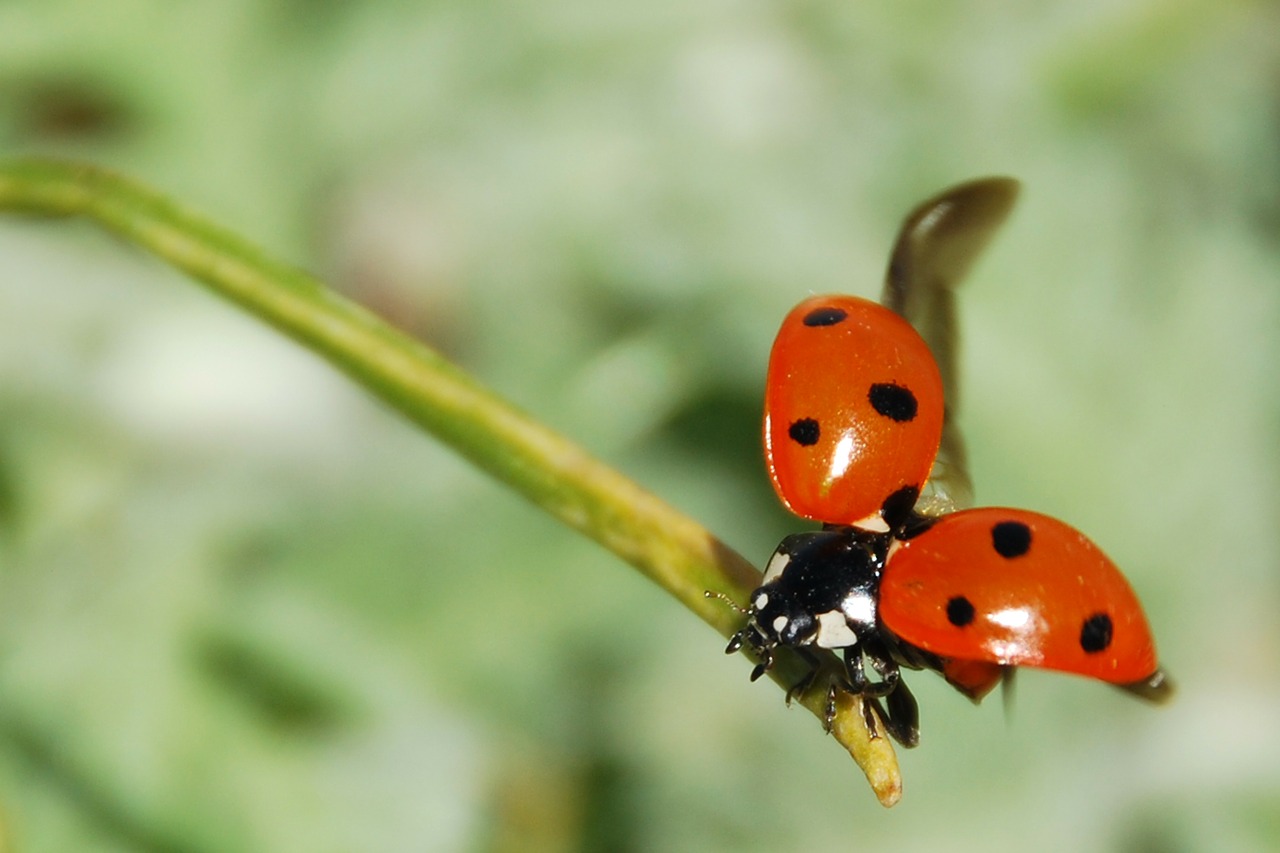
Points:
(973, 678)
(1012, 587)
(853, 410)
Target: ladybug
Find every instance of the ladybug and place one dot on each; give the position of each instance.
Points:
(969, 595)
(856, 425)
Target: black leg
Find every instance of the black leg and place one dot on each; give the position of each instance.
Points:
(888, 672)
(766, 662)
(853, 669)
(802, 686)
(902, 719)
(858, 685)
(870, 710)
(901, 716)
(858, 682)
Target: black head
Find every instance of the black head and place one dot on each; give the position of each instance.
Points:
(781, 617)
(819, 590)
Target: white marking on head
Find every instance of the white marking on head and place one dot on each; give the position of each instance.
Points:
(761, 601)
(777, 564)
(779, 624)
(834, 631)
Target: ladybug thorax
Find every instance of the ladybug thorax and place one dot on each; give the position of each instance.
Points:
(820, 588)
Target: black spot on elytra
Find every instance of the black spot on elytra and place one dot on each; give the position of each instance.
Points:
(896, 508)
(804, 432)
(825, 316)
(1095, 634)
(960, 611)
(893, 401)
(1011, 539)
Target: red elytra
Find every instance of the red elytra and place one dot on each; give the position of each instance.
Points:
(853, 412)
(992, 587)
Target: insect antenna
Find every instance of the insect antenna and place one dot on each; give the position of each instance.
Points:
(711, 593)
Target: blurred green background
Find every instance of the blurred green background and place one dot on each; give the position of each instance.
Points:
(244, 608)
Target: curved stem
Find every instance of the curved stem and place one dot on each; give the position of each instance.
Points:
(552, 472)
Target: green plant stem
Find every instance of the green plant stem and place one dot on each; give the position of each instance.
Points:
(552, 472)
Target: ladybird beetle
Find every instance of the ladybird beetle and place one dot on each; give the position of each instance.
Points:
(854, 418)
